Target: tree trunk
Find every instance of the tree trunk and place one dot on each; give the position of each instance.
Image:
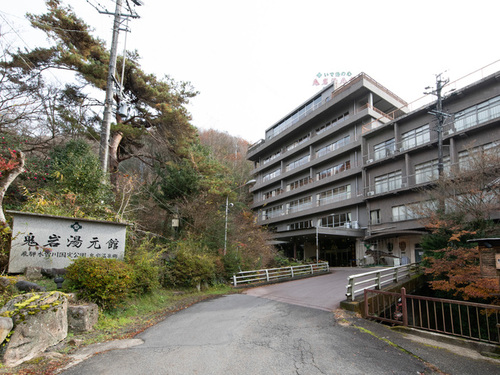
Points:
(8, 178)
(114, 162)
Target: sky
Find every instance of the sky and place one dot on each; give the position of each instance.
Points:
(254, 62)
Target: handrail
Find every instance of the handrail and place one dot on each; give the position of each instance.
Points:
(379, 278)
(275, 274)
(469, 320)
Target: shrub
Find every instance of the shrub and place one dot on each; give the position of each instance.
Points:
(189, 269)
(106, 282)
(144, 261)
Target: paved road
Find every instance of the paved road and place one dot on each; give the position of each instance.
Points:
(320, 292)
(245, 334)
(241, 334)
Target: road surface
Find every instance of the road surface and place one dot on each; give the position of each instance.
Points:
(241, 334)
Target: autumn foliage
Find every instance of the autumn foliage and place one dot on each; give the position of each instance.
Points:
(454, 266)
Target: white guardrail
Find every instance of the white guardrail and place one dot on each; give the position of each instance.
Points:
(379, 278)
(275, 274)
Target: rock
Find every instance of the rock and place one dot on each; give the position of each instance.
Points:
(53, 272)
(27, 286)
(33, 273)
(82, 318)
(40, 321)
(75, 342)
(6, 282)
(6, 325)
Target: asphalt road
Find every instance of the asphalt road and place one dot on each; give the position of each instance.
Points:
(320, 292)
(242, 334)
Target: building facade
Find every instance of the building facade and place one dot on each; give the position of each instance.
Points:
(337, 176)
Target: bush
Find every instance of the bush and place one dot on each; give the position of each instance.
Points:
(144, 261)
(106, 282)
(189, 269)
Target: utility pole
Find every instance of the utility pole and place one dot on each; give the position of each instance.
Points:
(108, 103)
(440, 116)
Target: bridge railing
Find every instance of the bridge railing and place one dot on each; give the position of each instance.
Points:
(377, 279)
(276, 274)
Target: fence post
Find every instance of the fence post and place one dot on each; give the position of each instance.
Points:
(395, 278)
(350, 288)
(366, 303)
(377, 281)
(291, 271)
(404, 307)
(312, 271)
(234, 280)
(267, 275)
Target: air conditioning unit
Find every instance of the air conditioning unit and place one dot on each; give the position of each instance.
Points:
(370, 193)
(369, 161)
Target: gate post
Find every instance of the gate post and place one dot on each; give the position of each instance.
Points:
(404, 307)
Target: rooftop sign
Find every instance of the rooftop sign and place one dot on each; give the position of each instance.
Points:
(337, 78)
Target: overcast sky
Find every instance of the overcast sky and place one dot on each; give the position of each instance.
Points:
(253, 62)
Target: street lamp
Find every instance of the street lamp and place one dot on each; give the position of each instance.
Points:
(250, 182)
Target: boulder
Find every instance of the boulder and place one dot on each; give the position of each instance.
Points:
(40, 321)
(6, 326)
(27, 286)
(82, 318)
(53, 272)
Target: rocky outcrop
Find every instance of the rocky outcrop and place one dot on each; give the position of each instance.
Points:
(40, 321)
(6, 326)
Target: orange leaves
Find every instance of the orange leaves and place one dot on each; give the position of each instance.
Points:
(10, 164)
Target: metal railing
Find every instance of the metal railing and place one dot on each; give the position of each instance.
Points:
(377, 279)
(276, 274)
(473, 321)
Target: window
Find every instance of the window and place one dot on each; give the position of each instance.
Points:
(271, 193)
(384, 149)
(388, 182)
(336, 220)
(334, 195)
(413, 210)
(375, 217)
(428, 171)
(336, 120)
(416, 137)
(299, 205)
(333, 170)
(272, 212)
(298, 183)
(299, 225)
(478, 114)
(298, 142)
(297, 163)
(333, 146)
(269, 158)
(469, 158)
(405, 212)
(271, 175)
(294, 118)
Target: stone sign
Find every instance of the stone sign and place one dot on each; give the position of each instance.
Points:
(53, 242)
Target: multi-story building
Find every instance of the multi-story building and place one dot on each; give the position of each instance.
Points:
(339, 174)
